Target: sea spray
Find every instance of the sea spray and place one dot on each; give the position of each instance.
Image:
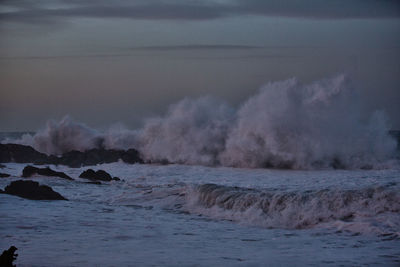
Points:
(286, 125)
(193, 132)
(290, 125)
(63, 136)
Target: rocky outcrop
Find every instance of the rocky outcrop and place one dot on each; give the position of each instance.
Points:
(98, 156)
(32, 190)
(22, 154)
(8, 256)
(99, 175)
(26, 154)
(30, 170)
(4, 175)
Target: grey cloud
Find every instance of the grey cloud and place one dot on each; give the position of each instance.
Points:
(25, 10)
(61, 57)
(196, 47)
(131, 10)
(334, 9)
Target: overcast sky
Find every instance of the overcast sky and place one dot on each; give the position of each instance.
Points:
(104, 61)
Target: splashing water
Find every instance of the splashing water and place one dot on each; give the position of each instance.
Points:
(286, 125)
(295, 126)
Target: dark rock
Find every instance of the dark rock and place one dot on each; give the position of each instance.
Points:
(2, 191)
(4, 175)
(93, 182)
(337, 164)
(32, 190)
(74, 159)
(8, 256)
(2, 166)
(116, 179)
(26, 154)
(96, 156)
(21, 154)
(30, 170)
(131, 156)
(99, 175)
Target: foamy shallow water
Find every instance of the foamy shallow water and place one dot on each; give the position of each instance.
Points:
(169, 216)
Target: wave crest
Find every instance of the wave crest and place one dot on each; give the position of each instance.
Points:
(297, 210)
(286, 125)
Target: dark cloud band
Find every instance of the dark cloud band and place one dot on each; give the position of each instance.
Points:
(25, 10)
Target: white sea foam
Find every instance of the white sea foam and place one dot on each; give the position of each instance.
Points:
(368, 210)
(286, 125)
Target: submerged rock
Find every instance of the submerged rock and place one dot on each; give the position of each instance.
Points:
(8, 256)
(99, 175)
(4, 175)
(32, 190)
(30, 170)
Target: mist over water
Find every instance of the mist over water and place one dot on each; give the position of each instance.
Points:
(287, 124)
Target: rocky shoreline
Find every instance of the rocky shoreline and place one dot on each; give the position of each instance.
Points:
(74, 159)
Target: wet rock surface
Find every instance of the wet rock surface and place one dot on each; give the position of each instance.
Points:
(4, 175)
(99, 156)
(30, 170)
(26, 154)
(32, 190)
(99, 175)
(21, 154)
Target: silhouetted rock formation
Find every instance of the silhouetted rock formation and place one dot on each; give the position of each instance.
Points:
(8, 256)
(99, 156)
(99, 175)
(32, 190)
(22, 154)
(4, 175)
(26, 154)
(30, 170)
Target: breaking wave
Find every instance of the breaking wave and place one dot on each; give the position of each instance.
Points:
(285, 125)
(374, 209)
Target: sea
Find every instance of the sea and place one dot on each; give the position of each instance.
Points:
(297, 175)
(178, 215)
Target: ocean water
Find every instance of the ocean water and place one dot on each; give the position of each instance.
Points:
(180, 215)
(225, 200)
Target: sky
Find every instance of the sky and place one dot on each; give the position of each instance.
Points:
(105, 62)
